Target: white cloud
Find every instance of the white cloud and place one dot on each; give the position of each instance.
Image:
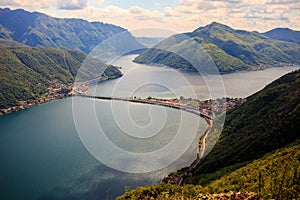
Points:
(260, 15)
(33, 5)
(136, 10)
(72, 4)
(8, 3)
(98, 2)
(30, 4)
(282, 1)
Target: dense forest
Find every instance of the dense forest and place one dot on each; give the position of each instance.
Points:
(26, 73)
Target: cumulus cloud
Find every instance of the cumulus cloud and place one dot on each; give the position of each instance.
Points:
(8, 3)
(98, 2)
(282, 1)
(242, 14)
(229, 1)
(31, 5)
(187, 15)
(136, 10)
(72, 4)
(34, 5)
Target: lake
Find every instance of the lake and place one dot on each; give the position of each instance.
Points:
(43, 156)
(143, 81)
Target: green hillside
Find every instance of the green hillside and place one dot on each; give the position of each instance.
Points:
(26, 73)
(37, 29)
(258, 149)
(231, 50)
(267, 121)
(275, 176)
(10, 43)
(284, 34)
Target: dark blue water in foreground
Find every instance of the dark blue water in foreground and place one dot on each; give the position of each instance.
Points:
(42, 156)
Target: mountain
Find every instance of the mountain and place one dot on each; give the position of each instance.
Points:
(231, 50)
(266, 122)
(27, 73)
(257, 151)
(284, 34)
(37, 29)
(10, 43)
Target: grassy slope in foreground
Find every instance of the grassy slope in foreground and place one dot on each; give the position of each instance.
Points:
(276, 175)
(231, 50)
(26, 73)
(267, 122)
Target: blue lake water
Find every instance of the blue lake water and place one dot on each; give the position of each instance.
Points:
(143, 80)
(42, 156)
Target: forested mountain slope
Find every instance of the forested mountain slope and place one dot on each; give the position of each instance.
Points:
(26, 72)
(284, 34)
(37, 29)
(267, 121)
(231, 50)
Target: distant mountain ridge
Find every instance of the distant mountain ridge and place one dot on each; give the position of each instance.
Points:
(284, 34)
(231, 50)
(37, 29)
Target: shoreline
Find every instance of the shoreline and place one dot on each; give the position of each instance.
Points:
(59, 91)
(187, 171)
(260, 67)
(27, 104)
(14, 109)
(31, 103)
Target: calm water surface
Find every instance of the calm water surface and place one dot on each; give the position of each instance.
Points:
(42, 156)
(143, 81)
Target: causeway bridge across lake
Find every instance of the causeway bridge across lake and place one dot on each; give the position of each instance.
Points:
(166, 103)
(152, 101)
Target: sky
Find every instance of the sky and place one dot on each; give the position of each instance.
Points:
(165, 17)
